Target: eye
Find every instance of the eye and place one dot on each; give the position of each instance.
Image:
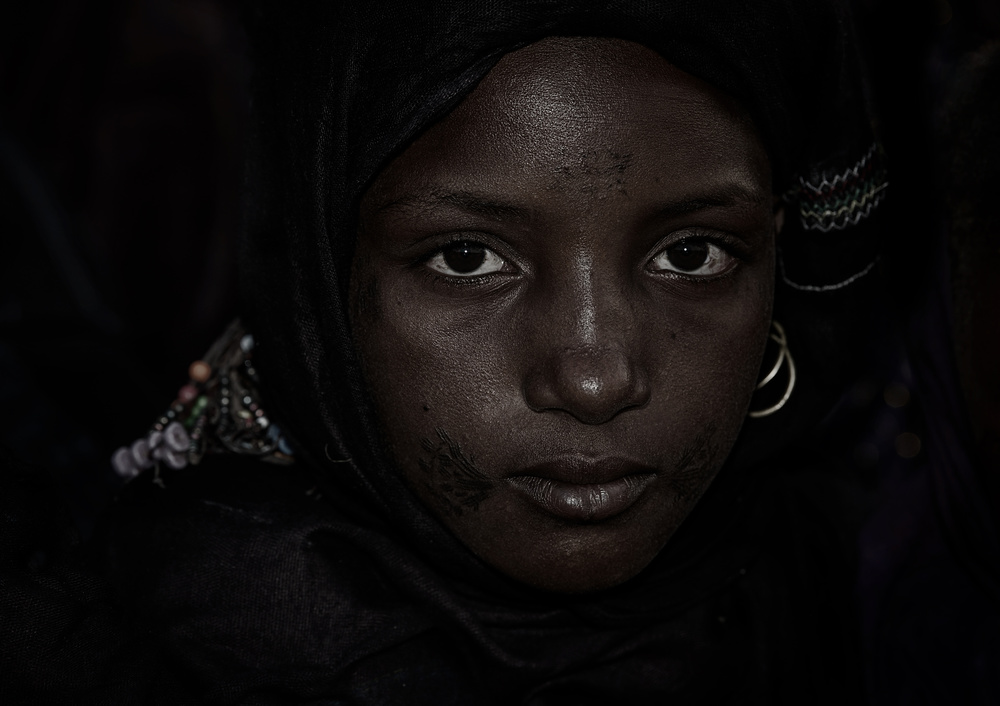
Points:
(694, 257)
(466, 259)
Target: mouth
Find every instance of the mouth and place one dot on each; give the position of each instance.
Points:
(584, 491)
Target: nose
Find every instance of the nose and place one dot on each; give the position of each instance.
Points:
(592, 384)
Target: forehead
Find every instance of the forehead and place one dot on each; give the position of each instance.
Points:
(586, 114)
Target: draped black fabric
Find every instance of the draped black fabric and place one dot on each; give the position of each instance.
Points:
(254, 591)
(327, 581)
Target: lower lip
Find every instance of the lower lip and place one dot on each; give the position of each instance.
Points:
(584, 503)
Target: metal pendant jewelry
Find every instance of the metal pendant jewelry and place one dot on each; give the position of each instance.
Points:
(217, 411)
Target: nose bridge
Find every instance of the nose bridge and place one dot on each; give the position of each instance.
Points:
(588, 360)
(594, 307)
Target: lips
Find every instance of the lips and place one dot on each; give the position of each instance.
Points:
(584, 491)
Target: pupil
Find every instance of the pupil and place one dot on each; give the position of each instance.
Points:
(688, 255)
(465, 257)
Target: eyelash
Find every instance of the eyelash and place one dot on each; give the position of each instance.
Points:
(731, 246)
(452, 280)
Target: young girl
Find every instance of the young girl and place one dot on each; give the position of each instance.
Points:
(538, 298)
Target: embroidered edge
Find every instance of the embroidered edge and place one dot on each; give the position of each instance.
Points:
(845, 199)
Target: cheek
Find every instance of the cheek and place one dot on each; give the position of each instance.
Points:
(439, 395)
(431, 370)
(705, 359)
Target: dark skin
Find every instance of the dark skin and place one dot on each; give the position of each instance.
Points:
(561, 297)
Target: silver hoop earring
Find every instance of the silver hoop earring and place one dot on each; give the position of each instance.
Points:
(778, 336)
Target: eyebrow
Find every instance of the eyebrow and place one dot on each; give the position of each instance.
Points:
(725, 195)
(467, 201)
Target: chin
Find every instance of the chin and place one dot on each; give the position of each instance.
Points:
(585, 558)
(582, 569)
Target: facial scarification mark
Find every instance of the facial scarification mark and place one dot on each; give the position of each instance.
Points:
(695, 464)
(452, 478)
(610, 165)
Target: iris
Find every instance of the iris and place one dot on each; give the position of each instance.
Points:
(688, 255)
(465, 257)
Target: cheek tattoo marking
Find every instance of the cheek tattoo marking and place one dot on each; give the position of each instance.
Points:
(453, 479)
(695, 463)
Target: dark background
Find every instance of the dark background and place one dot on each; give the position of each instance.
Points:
(121, 143)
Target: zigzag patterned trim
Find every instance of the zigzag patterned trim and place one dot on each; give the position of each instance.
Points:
(843, 200)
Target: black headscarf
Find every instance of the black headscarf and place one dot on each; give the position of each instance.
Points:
(364, 596)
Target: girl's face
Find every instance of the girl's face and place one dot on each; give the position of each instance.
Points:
(561, 295)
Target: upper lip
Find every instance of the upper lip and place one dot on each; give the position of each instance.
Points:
(582, 470)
